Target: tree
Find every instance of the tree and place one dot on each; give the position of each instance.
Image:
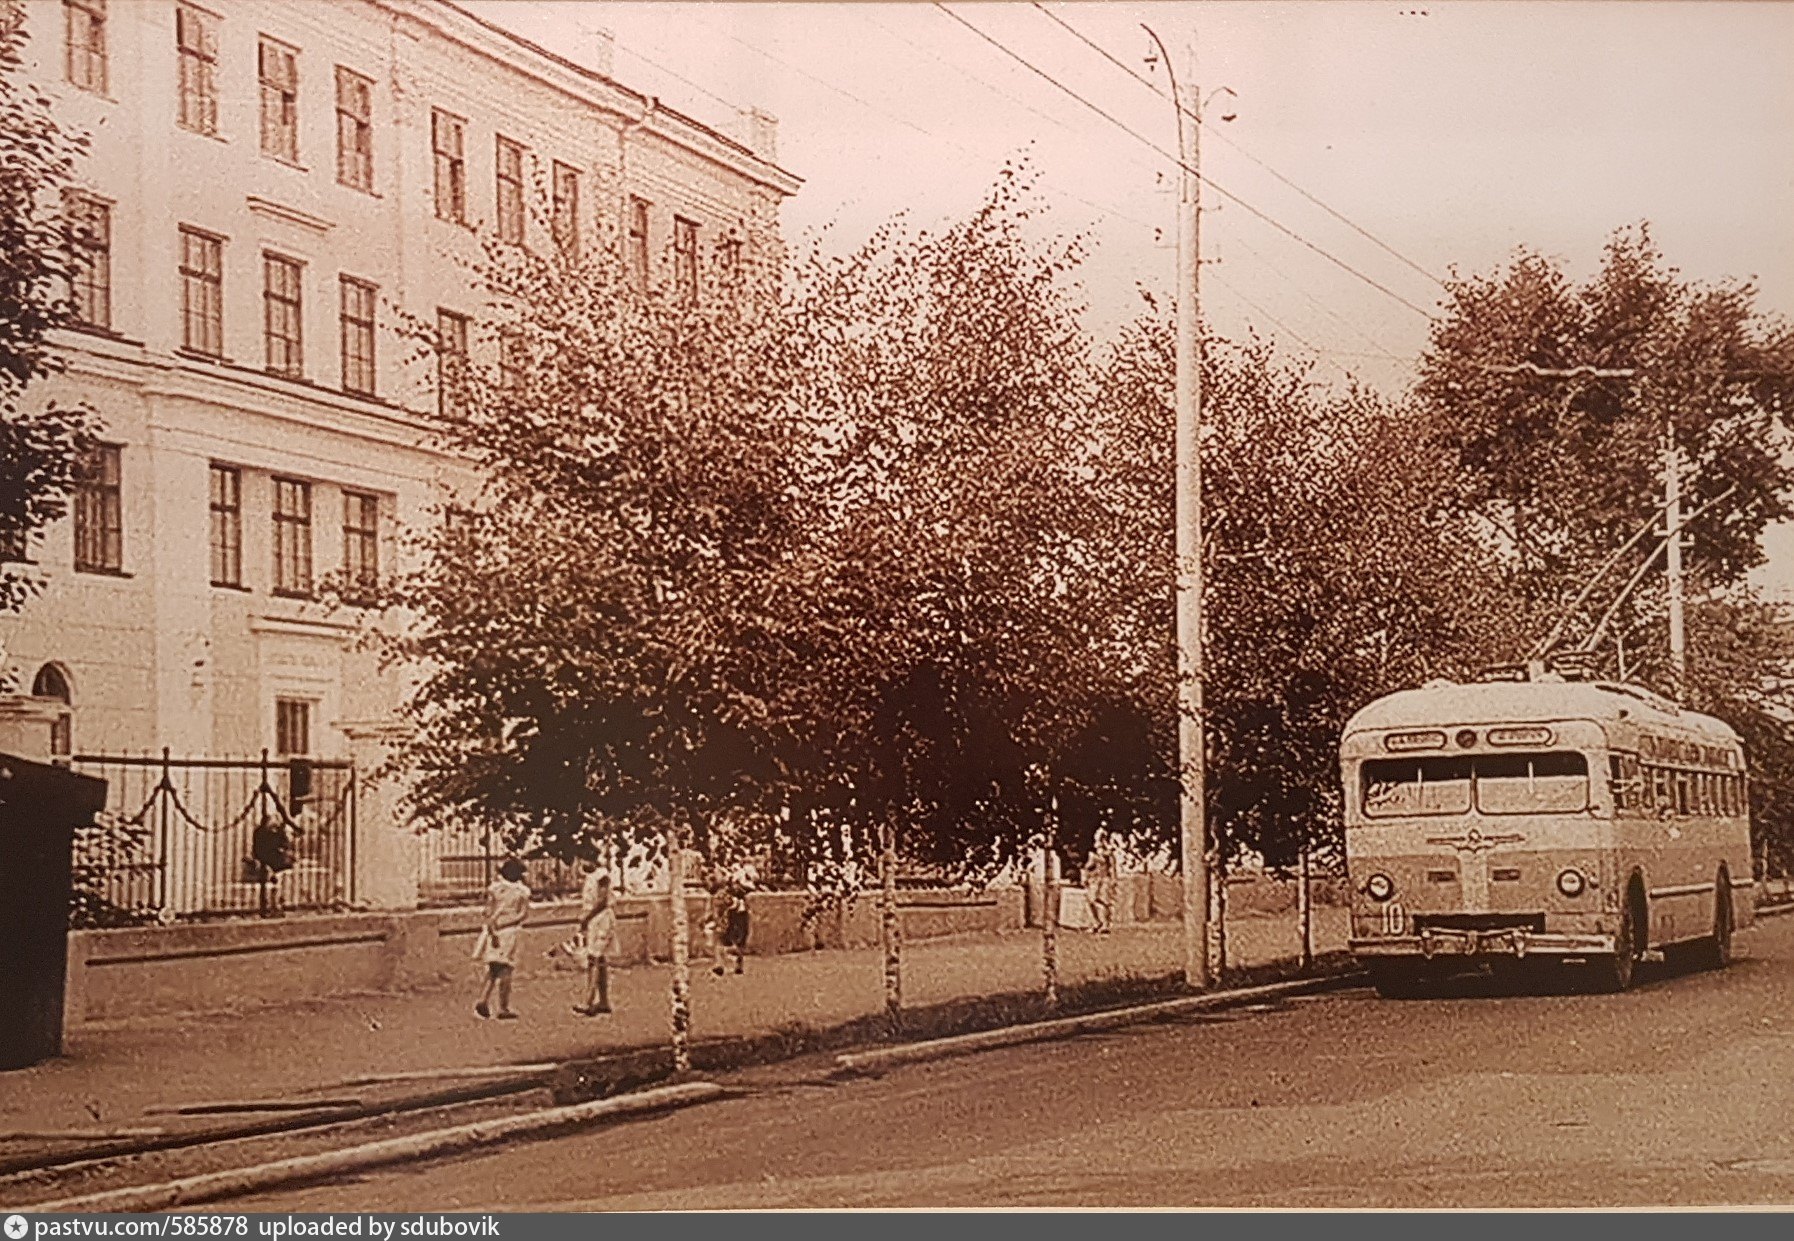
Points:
(1565, 469)
(39, 448)
(948, 374)
(1335, 569)
(597, 633)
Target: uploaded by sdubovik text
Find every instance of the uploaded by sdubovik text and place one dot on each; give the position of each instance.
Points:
(276, 1227)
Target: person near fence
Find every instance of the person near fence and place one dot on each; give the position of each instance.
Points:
(1099, 883)
(507, 908)
(729, 890)
(597, 931)
(271, 853)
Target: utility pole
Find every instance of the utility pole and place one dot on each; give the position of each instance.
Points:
(1187, 100)
(1672, 533)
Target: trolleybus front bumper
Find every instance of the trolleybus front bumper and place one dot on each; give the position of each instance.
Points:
(1516, 942)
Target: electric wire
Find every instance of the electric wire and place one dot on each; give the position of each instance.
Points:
(1230, 141)
(1226, 193)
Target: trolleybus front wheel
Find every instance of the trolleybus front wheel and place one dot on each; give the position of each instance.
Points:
(1614, 973)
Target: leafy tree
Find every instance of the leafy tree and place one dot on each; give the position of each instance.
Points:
(1334, 569)
(39, 447)
(948, 375)
(1565, 469)
(597, 634)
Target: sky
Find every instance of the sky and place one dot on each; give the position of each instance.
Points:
(1447, 134)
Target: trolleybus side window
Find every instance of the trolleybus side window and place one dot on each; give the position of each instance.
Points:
(1393, 787)
(1551, 783)
(1629, 789)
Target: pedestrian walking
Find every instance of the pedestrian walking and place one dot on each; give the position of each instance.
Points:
(729, 912)
(1099, 884)
(507, 907)
(597, 931)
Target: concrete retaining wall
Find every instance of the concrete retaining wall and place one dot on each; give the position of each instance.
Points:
(243, 964)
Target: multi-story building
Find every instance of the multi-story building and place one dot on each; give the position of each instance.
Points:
(272, 190)
(269, 186)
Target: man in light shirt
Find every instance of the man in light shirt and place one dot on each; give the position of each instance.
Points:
(597, 931)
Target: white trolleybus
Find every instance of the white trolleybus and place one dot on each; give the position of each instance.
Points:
(1505, 823)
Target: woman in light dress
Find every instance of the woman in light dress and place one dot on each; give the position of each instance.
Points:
(507, 906)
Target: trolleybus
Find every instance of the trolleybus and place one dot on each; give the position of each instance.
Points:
(1576, 823)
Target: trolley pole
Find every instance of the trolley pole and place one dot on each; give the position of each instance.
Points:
(1187, 100)
(1672, 509)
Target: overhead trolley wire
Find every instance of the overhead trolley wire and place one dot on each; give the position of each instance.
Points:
(1206, 180)
(1225, 137)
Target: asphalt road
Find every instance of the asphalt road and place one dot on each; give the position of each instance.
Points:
(1680, 1092)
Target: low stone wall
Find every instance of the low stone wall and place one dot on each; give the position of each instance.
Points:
(203, 967)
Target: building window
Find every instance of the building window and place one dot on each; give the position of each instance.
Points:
(99, 512)
(227, 526)
(354, 130)
(196, 39)
(513, 360)
(638, 242)
(728, 266)
(85, 23)
(451, 361)
(292, 537)
(202, 292)
(509, 163)
(52, 683)
(448, 139)
(278, 67)
(358, 335)
(361, 541)
(566, 209)
(685, 259)
(283, 313)
(292, 727)
(90, 254)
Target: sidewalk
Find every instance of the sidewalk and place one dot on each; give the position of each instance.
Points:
(109, 1075)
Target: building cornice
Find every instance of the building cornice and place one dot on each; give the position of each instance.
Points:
(230, 386)
(597, 90)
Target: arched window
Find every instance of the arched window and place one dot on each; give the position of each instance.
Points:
(53, 683)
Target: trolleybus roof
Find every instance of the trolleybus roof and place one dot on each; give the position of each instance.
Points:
(1442, 704)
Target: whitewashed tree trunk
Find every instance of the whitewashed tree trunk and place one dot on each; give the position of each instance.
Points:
(1218, 916)
(1305, 910)
(1049, 915)
(675, 840)
(891, 929)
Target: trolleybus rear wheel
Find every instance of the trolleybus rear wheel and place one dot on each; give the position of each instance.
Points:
(1716, 953)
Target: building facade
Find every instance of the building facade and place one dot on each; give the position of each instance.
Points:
(270, 188)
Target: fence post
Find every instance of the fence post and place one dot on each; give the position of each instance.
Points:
(164, 843)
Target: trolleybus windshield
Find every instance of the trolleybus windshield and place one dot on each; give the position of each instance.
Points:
(1555, 782)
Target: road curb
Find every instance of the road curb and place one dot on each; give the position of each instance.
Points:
(863, 1062)
(1771, 911)
(236, 1182)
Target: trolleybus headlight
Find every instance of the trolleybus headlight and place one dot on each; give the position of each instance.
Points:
(1379, 887)
(1571, 883)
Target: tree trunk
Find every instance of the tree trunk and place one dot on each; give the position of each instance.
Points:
(890, 929)
(675, 843)
(1049, 915)
(1305, 910)
(1218, 920)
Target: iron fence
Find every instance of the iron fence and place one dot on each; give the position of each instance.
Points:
(457, 864)
(192, 838)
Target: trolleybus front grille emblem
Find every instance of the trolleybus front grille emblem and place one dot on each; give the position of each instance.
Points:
(1473, 841)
